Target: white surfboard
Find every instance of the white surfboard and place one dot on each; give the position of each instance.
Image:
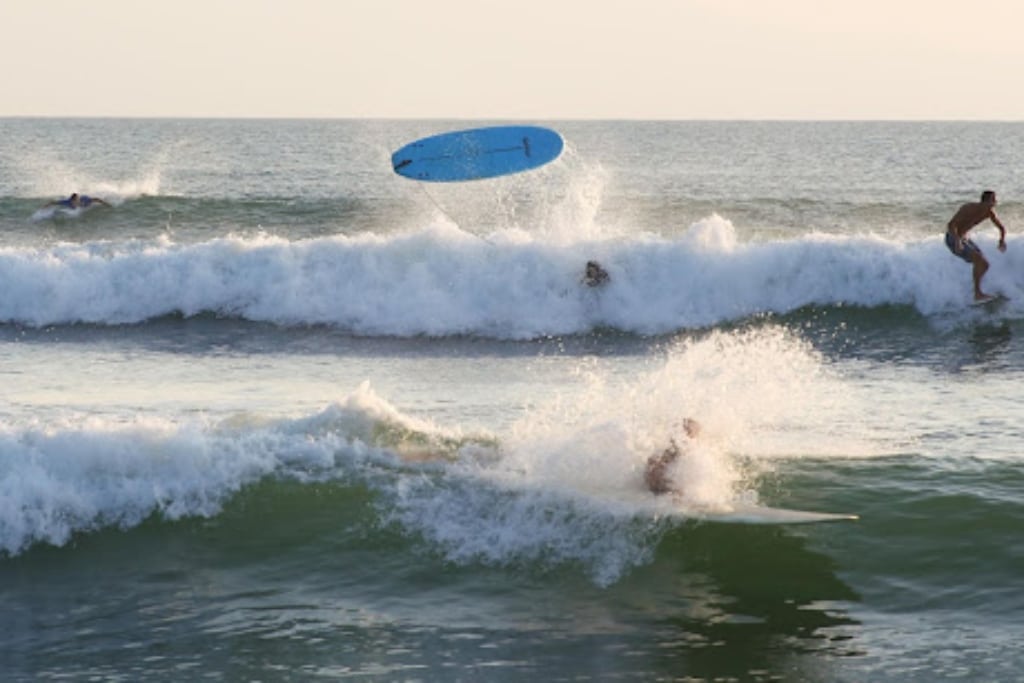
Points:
(994, 301)
(757, 514)
(747, 513)
(54, 212)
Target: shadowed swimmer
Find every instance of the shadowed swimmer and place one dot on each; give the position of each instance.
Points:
(594, 275)
(656, 474)
(967, 217)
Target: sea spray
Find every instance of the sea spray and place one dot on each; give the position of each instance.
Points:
(567, 486)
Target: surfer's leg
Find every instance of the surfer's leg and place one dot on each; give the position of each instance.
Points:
(980, 268)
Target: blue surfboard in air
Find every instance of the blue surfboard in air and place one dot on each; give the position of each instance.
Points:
(477, 153)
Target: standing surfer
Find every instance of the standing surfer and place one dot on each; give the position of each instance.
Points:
(966, 217)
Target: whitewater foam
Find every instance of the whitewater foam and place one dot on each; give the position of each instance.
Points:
(441, 281)
(83, 473)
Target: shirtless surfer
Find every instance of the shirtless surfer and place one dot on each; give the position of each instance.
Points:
(656, 474)
(966, 217)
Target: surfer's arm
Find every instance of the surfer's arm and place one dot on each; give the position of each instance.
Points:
(1002, 229)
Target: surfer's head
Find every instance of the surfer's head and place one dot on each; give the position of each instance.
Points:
(988, 197)
(595, 274)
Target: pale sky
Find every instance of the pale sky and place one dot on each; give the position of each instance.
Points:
(514, 59)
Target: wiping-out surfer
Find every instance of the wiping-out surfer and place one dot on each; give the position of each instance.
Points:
(657, 475)
(967, 217)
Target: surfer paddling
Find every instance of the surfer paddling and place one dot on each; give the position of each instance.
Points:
(77, 201)
(967, 217)
(656, 474)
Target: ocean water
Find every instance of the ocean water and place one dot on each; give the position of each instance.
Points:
(280, 414)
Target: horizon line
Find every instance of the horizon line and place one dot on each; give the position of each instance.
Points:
(610, 119)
